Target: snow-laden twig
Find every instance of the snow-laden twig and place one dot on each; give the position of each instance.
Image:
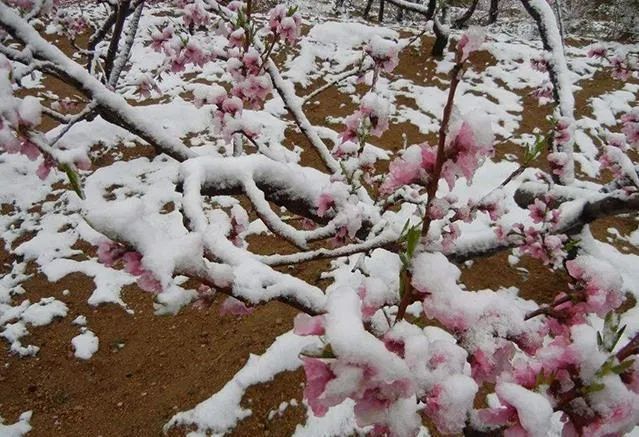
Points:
(552, 41)
(427, 11)
(112, 106)
(125, 51)
(275, 223)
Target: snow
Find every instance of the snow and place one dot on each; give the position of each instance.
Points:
(125, 202)
(18, 429)
(533, 409)
(43, 312)
(85, 344)
(222, 411)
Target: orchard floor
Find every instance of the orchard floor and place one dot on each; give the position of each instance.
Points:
(149, 367)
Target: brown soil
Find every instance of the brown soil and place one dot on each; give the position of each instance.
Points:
(149, 367)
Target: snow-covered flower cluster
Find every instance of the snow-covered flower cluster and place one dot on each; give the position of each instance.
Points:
(384, 52)
(370, 118)
(110, 253)
(285, 23)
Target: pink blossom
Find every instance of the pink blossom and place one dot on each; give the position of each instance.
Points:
(544, 92)
(145, 85)
(558, 162)
(232, 105)
(631, 127)
(597, 51)
(252, 61)
(495, 209)
(385, 53)
(205, 297)
(470, 42)
(539, 63)
(538, 211)
(285, 23)
(438, 208)
(30, 150)
(236, 38)
(324, 202)
(601, 287)
(148, 282)
(318, 374)
(401, 173)
(194, 54)
(82, 163)
(500, 233)
(449, 236)
(133, 263)
(464, 152)
(488, 365)
(234, 307)
(562, 131)
(371, 407)
(109, 252)
(45, 167)
(308, 325)
(195, 14)
(620, 69)
(161, 39)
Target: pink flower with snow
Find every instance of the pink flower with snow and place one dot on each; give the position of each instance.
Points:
(558, 162)
(109, 252)
(30, 150)
(597, 51)
(467, 145)
(599, 282)
(308, 325)
(620, 69)
(149, 283)
(449, 236)
(439, 208)
(324, 203)
(285, 23)
(160, 39)
(544, 92)
(385, 53)
(45, 167)
(631, 127)
(133, 263)
(318, 374)
(194, 54)
(470, 42)
(195, 14)
(538, 211)
(234, 307)
(145, 85)
(401, 172)
(562, 133)
(237, 37)
(539, 63)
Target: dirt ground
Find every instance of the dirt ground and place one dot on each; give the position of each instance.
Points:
(149, 367)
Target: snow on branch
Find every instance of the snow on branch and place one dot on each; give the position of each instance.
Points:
(112, 106)
(543, 15)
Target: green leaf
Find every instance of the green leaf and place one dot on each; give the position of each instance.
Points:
(617, 337)
(594, 387)
(623, 366)
(74, 179)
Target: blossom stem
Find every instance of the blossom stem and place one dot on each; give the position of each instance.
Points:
(431, 188)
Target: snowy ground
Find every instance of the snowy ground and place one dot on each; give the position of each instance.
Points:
(42, 228)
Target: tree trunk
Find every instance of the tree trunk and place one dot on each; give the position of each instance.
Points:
(380, 16)
(441, 41)
(493, 11)
(461, 21)
(367, 9)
